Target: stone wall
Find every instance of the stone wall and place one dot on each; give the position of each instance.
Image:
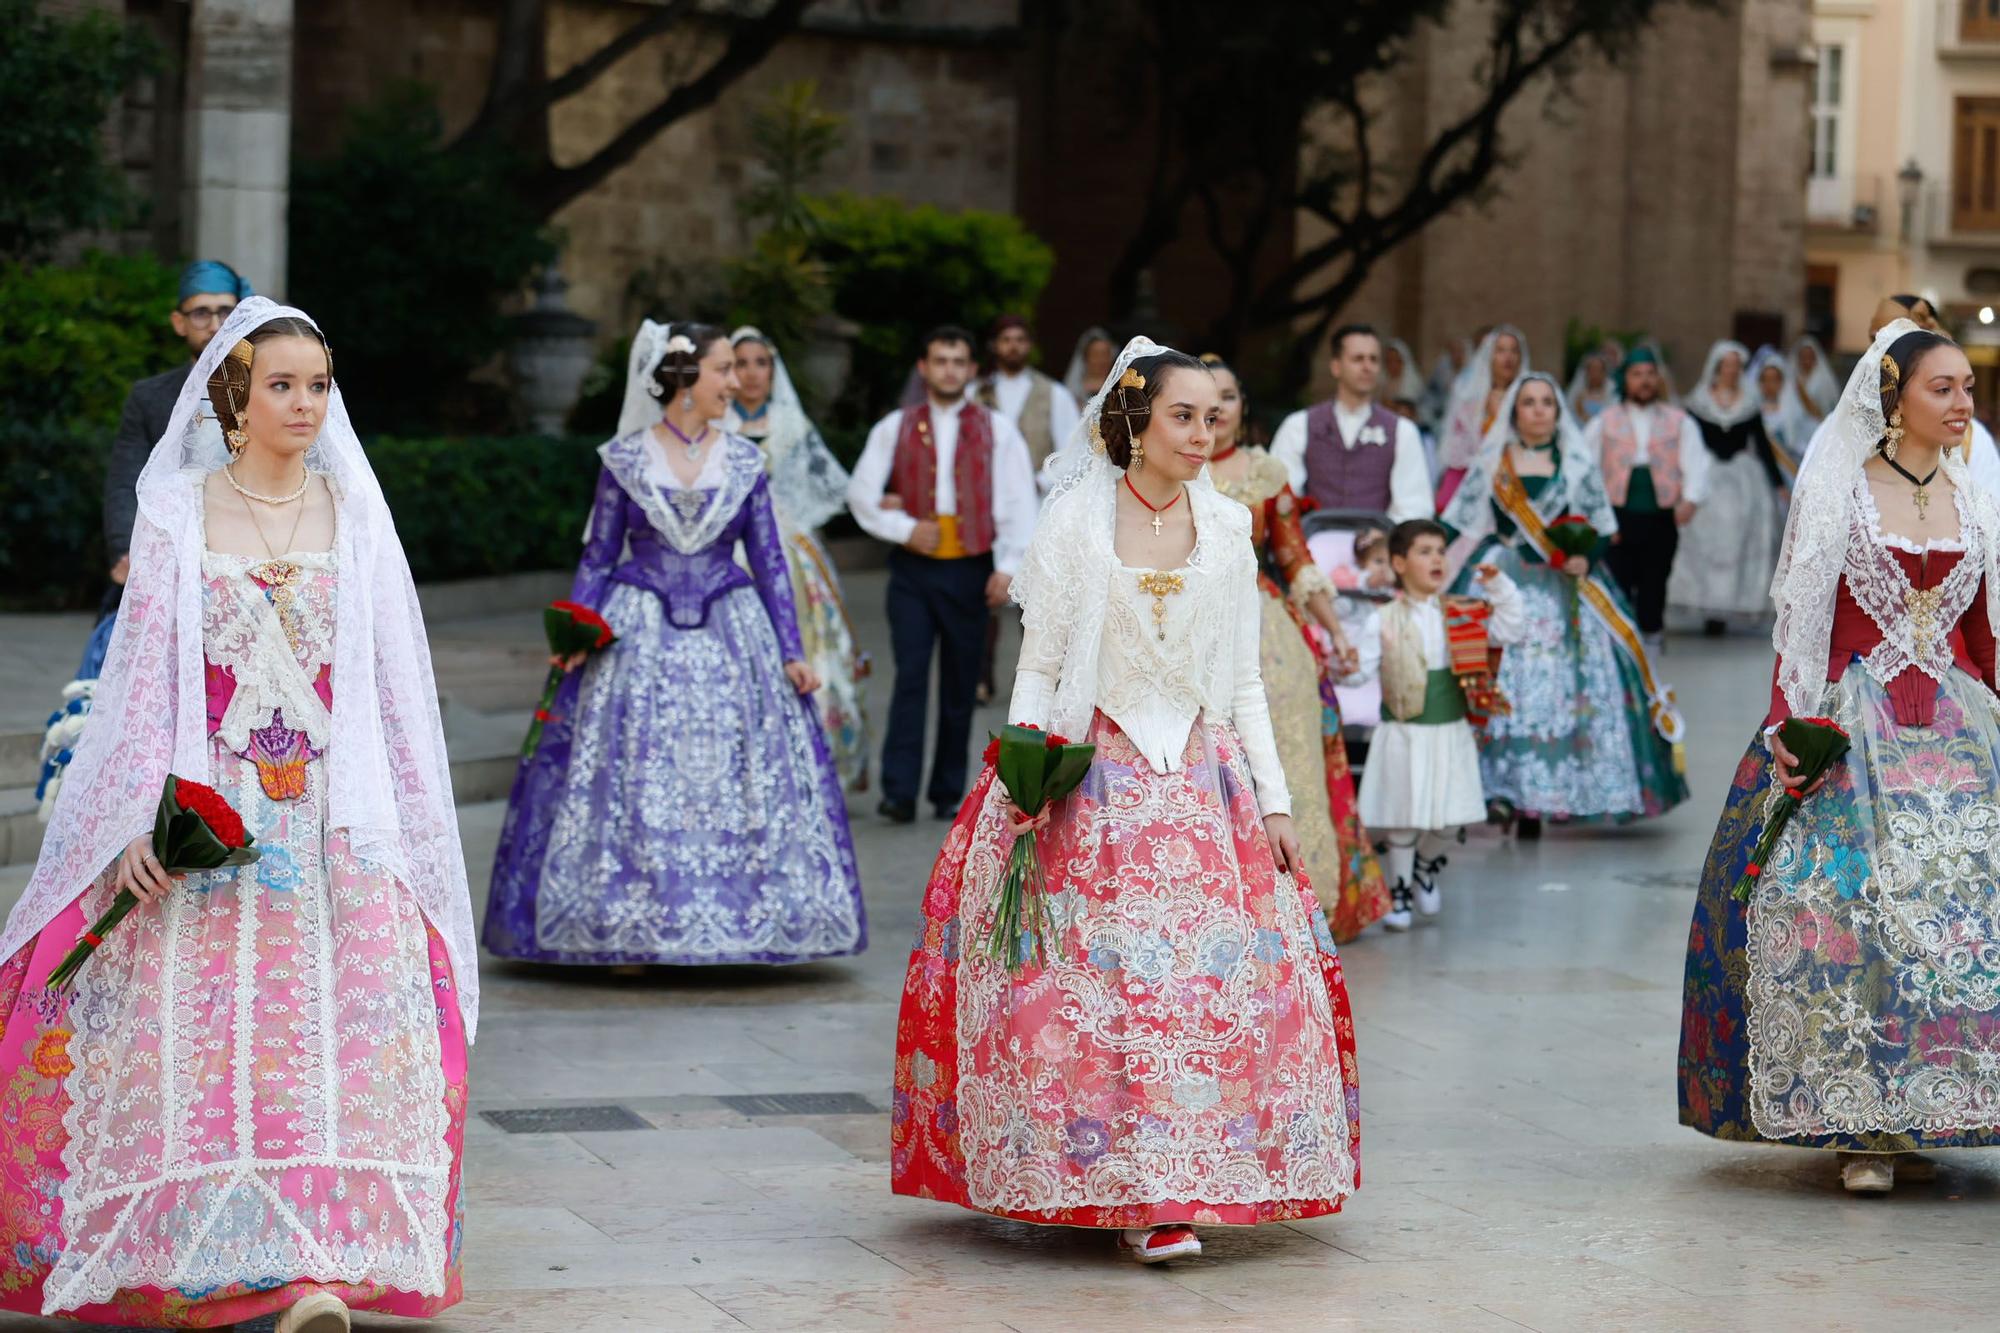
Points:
(1630, 204)
(927, 97)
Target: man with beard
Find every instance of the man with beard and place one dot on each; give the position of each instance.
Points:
(964, 509)
(1655, 474)
(1040, 408)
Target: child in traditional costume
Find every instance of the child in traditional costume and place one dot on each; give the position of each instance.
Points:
(1434, 654)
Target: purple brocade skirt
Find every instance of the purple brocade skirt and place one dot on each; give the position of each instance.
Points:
(682, 807)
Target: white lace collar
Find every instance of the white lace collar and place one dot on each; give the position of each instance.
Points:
(690, 518)
(1871, 519)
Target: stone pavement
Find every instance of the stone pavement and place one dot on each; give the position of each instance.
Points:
(1522, 1164)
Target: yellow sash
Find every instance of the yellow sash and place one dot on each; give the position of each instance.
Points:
(950, 547)
(1512, 496)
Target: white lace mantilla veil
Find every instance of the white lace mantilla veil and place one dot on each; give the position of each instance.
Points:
(1410, 387)
(1471, 508)
(641, 409)
(1466, 403)
(1821, 384)
(1073, 374)
(1827, 515)
(389, 777)
(808, 484)
(1702, 404)
(1791, 414)
(1073, 537)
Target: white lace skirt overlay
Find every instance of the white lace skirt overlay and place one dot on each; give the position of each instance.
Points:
(258, 1092)
(1873, 939)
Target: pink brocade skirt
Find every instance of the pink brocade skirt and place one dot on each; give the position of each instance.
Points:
(34, 1099)
(1187, 1053)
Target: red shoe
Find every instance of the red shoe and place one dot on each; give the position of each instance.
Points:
(1160, 1243)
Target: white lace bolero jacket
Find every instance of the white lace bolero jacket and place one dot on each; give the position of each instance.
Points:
(1091, 640)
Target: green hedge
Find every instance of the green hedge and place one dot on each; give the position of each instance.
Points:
(464, 508)
(73, 337)
(477, 506)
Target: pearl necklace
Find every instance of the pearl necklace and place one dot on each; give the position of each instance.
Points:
(272, 500)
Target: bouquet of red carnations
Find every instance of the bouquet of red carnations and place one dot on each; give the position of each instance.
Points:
(1035, 769)
(1818, 743)
(572, 628)
(194, 828)
(1573, 535)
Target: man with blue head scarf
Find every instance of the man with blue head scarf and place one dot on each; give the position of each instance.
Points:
(209, 290)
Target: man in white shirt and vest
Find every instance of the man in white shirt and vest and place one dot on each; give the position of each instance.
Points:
(964, 508)
(1655, 474)
(1350, 452)
(1040, 408)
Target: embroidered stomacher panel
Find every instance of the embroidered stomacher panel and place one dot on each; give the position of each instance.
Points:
(1916, 623)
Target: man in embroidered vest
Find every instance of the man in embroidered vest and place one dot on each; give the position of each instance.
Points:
(1655, 473)
(1040, 408)
(1350, 452)
(964, 509)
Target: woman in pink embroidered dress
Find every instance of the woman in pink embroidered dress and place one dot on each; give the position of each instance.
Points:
(1185, 1055)
(253, 1098)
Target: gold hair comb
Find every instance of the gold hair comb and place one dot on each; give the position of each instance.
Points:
(1131, 379)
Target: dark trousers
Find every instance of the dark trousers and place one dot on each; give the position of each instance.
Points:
(1641, 559)
(937, 604)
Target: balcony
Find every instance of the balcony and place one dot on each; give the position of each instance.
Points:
(1968, 29)
(1848, 205)
(1949, 223)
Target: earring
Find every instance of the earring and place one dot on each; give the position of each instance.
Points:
(687, 402)
(237, 442)
(1138, 455)
(1893, 436)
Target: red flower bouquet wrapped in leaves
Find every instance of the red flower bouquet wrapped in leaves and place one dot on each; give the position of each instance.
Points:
(1819, 744)
(194, 829)
(1035, 769)
(572, 628)
(1573, 535)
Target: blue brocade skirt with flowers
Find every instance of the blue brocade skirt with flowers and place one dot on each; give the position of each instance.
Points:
(1854, 1003)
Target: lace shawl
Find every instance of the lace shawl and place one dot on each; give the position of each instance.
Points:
(1582, 483)
(388, 773)
(1064, 590)
(1828, 519)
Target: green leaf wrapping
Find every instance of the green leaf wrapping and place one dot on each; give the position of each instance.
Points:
(565, 634)
(1023, 766)
(1817, 747)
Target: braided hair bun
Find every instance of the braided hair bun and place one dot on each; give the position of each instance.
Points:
(1128, 403)
(679, 368)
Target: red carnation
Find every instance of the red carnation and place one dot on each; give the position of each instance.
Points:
(1753, 870)
(992, 755)
(1057, 740)
(588, 618)
(1825, 722)
(208, 805)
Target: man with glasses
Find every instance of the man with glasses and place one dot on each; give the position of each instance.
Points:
(210, 289)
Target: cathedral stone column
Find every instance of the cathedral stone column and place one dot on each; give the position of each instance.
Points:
(239, 136)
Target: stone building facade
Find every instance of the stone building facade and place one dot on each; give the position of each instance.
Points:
(1661, 195)
(1904, 190)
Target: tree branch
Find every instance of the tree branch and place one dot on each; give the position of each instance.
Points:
(554, 186)
(586, 71)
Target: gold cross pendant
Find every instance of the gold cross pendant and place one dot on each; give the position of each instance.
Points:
(1922, 498)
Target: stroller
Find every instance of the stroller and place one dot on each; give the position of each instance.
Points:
(1330, 537)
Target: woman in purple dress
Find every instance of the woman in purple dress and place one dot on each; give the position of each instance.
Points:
(682, 806)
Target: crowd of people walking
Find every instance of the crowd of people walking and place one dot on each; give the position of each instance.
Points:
(252, 1097)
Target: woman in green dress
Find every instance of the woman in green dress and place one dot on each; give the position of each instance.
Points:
(1590, 732)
